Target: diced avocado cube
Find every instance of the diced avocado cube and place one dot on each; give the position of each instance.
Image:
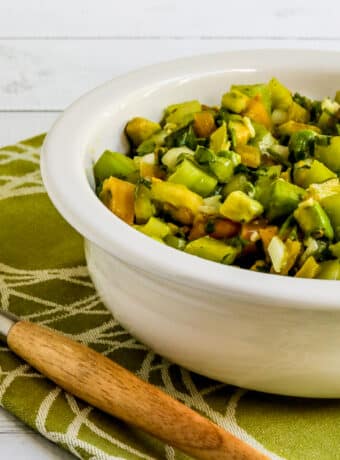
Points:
(327, 150)
(176, 195)
(235, 101)
(307, 172)
(313, 220)
(212, 249)
(281, 96)
(144, 208)
(139, 129)
(284, 199)
(113, 164)
(219, 139)
(239, 207)
(155, 228)
(263, 185)
(183, 113)
(197, 180)
(223, 166)
(331, 204)
(329, 270)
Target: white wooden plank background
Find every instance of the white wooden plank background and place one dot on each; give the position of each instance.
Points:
(52, 52)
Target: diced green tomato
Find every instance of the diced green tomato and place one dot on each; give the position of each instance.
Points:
(284, 199)
(176, 195)
(313, 220)
(331, 205)
(190, 175)
(335, 249)
(219, 139)
(263, 185)
(329, 154)
(175, 242)
(203, 155)
(183, 113)
(169, 159)
(321, 191)
(301, 144)
(309, 269)
(329, 270)
(239, 207)
(239, 182)
(307, 172)
(139, 129)
(235, 101)
(155, 228)
(212, 249)
(150, 144)
(281, 96)
(260, 89)
(113, 164)
(223, 166)
(144, 208)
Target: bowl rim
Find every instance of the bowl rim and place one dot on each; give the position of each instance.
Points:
(62, 156)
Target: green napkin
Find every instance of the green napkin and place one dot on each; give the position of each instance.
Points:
(43, 278)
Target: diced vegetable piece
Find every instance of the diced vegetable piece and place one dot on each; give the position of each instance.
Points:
(307, 172)
(223, 165)
(175, 242)
(211, 205)
(329, 270)
(113, 164)
(259, 90)
(212, 249)
(240, 132)
(298, 113)
(152, 142)
(155, 228)
(291, 127)
(309, 269)
(190, 175)
(331, 205)
(285, 197)
(266, 234)
(144, 208)
(280, 95)
(257, 111)
(263, 138)
(169, 159)
(235, 101)
(335, 249)
(219, 140)
(327, 150)
(278, 253)
(313, 220)
(327, 188)
(204, 124)
(250, 155)
(147, 166)
(293, 249)
(239, 182)
(239, 207)
(223, 228)
(263, 186)
(176, 195)
(183, 113)
(139, 129)
(119, 197)
(301, 144)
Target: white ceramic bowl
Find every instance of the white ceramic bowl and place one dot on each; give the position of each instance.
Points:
(259, 331)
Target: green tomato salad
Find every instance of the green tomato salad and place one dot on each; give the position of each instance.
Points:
(253, 182)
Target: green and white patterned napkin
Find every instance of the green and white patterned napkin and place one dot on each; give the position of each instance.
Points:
(43, 278)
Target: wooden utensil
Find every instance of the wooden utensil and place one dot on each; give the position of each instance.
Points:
(106, 385)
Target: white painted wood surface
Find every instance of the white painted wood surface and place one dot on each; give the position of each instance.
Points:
(52, 52)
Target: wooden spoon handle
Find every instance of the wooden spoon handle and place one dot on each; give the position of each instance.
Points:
(106, 385)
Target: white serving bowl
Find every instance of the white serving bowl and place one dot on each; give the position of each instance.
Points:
(259, 331)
